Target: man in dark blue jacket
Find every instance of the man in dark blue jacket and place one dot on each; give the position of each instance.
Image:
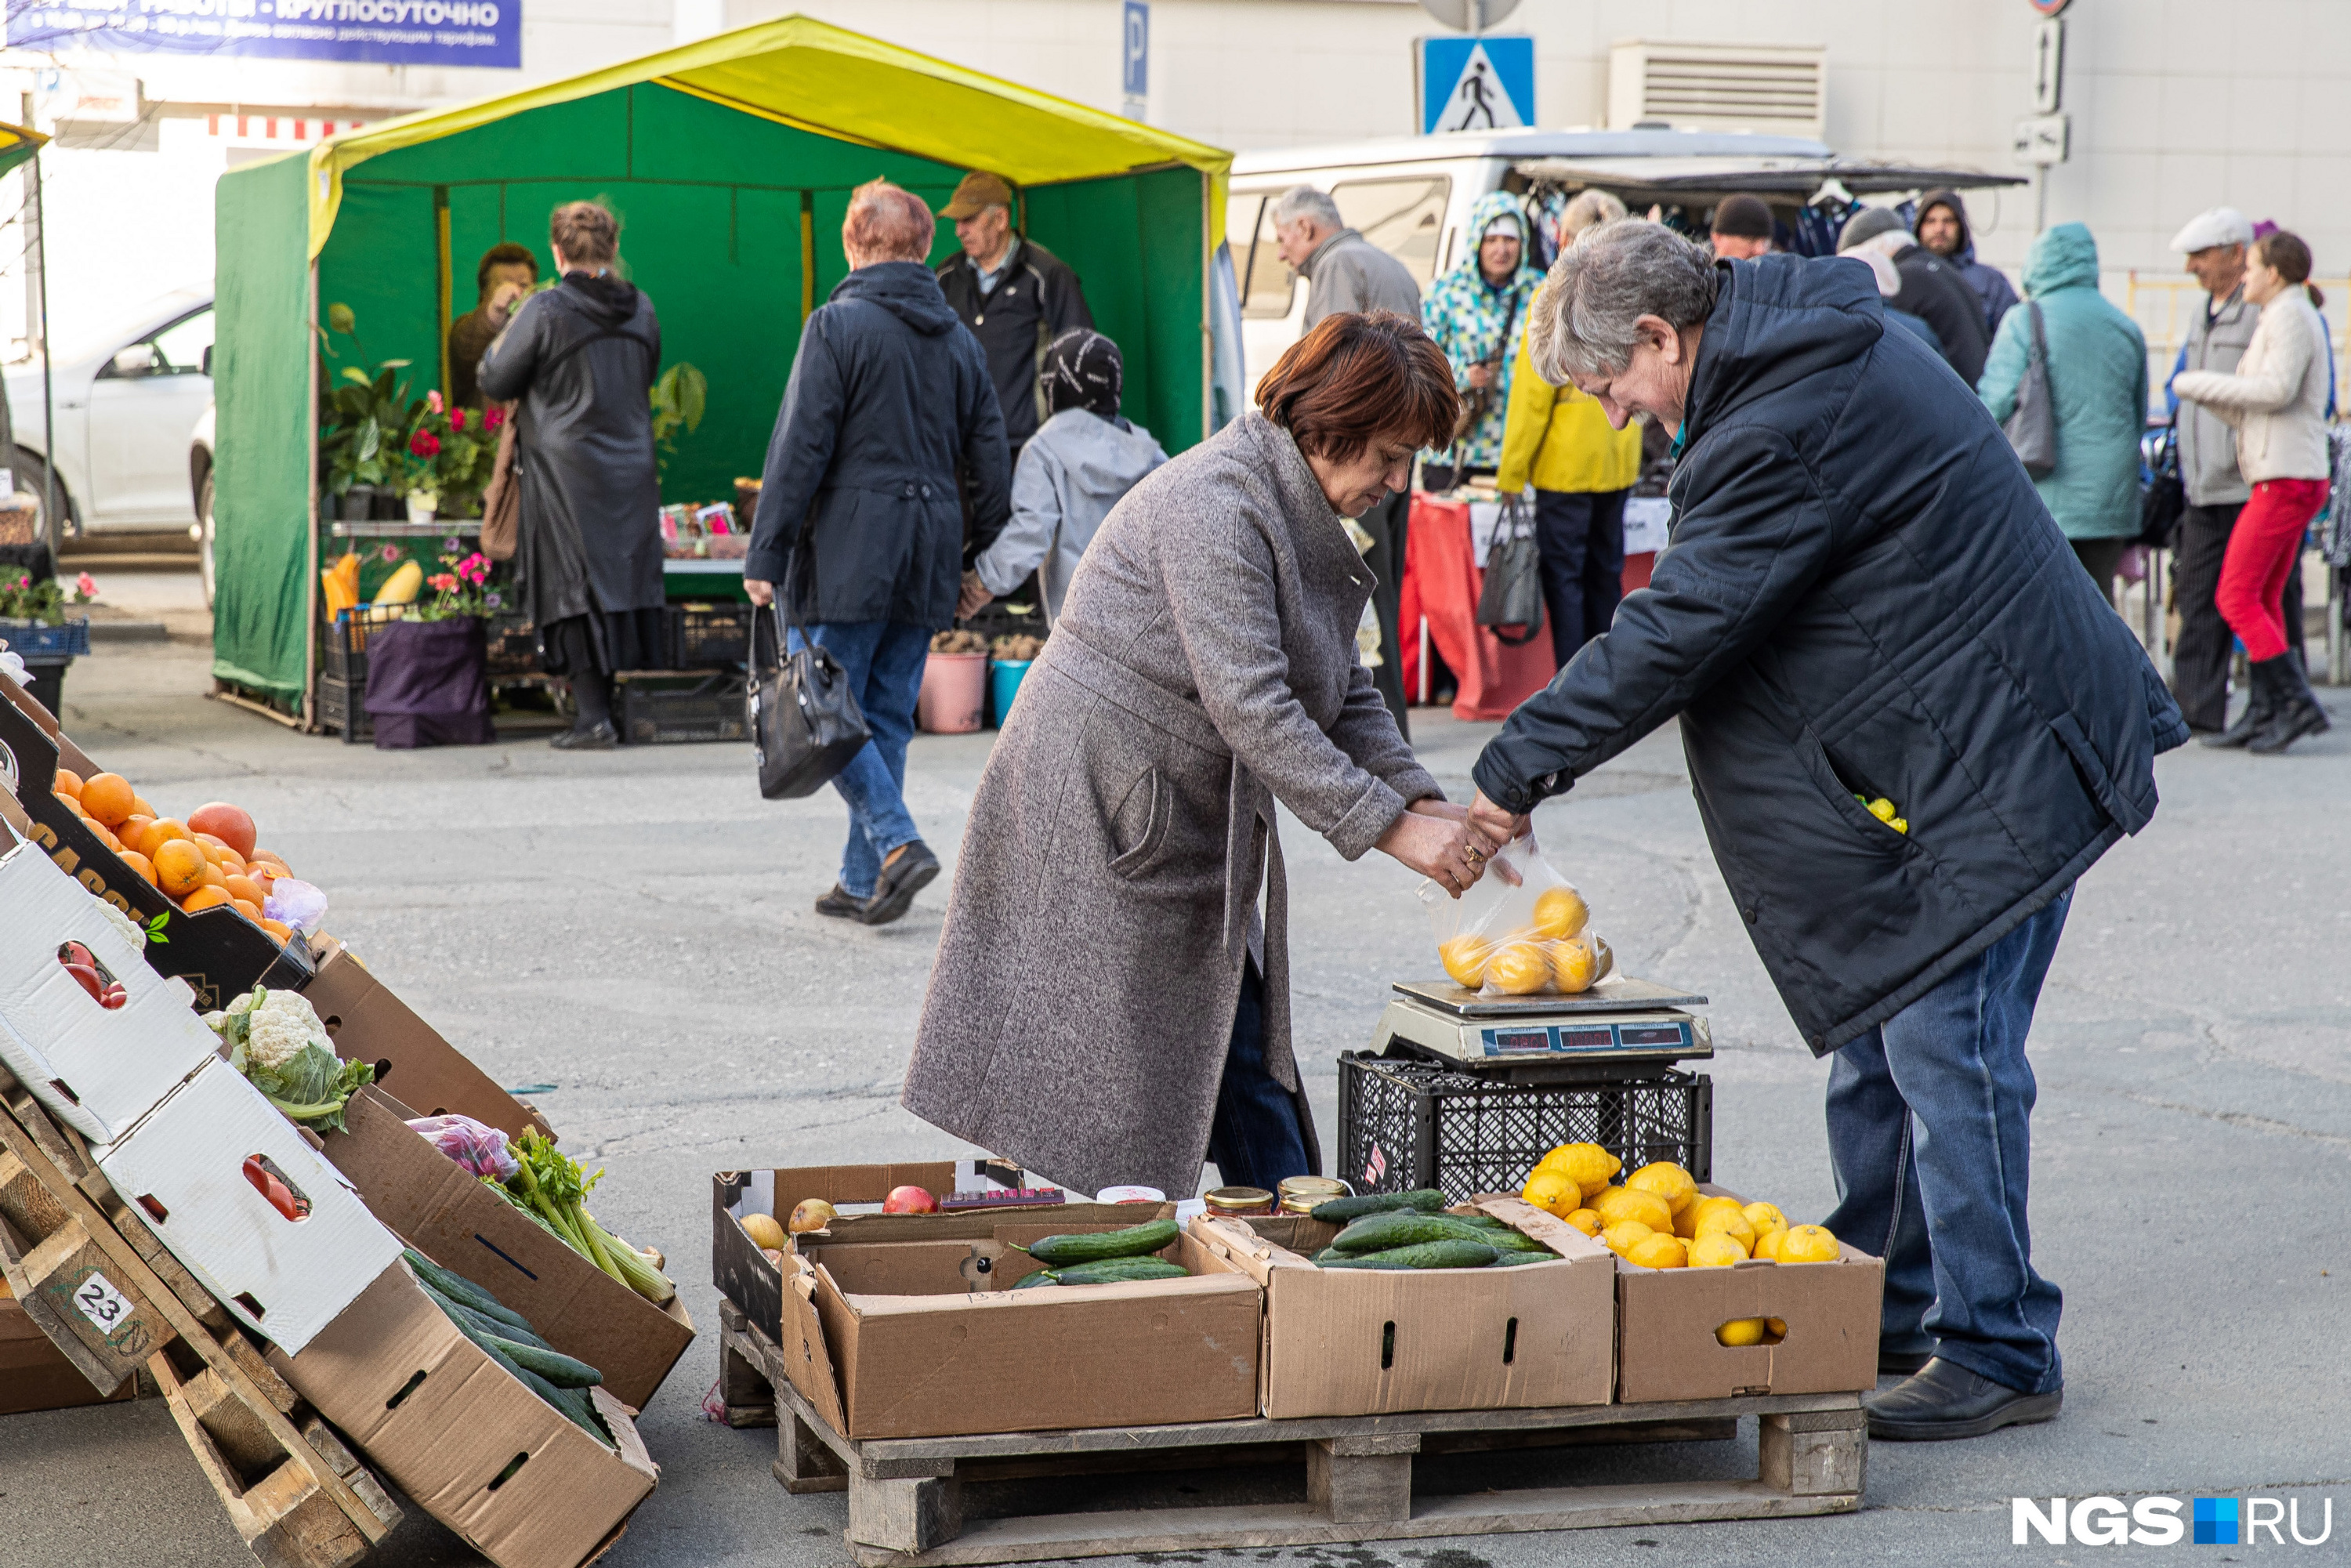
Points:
(861, 521)
(1911, 723)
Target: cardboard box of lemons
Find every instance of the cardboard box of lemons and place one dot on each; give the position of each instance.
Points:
(1808, 1244)
(1658, 1253)
(1464, 957)
(1548, 1191)
(1617, 1203)
(1589, 1164)
(1668, 1181)
(1518, 970)
(1623, 1236)
(1560, 913)
(1716, 1251)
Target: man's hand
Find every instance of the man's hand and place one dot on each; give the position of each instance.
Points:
(503, 300)
(760, 593)
(974, 597)
(1497, 824)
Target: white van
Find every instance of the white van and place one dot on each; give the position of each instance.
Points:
(1412, 196)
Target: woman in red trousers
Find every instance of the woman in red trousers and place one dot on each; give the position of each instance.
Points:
(2277, 401)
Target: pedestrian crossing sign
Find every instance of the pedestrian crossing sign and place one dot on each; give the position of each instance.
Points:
(1481, 82)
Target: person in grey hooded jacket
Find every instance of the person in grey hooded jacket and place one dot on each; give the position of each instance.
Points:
(1081, 463)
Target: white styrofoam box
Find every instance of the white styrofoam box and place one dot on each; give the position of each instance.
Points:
(182, 1171)
(1646, 520)
(97, 1071)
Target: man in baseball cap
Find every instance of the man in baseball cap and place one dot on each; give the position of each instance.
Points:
(1014, 295)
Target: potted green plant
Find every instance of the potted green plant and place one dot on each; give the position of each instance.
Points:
(446, 458)
(366, 415)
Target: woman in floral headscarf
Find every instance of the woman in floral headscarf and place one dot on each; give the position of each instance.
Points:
(1477, 313)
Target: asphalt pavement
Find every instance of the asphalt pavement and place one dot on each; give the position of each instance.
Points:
(634, 928)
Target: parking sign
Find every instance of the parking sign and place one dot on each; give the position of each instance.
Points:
(1136, 51)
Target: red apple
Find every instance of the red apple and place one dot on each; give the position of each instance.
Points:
(910, 1200)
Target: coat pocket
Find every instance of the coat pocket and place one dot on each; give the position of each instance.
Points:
(1842, 799)
(1140, 823)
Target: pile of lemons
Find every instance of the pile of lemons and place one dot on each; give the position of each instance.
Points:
(1552, 953)
(1659, 1219)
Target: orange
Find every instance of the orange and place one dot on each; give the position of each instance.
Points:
(231, 862)
(105, 836)
(134, 831)
(273, 858)
(179, 867)
(69, 783)
(161, 831)
(109, 798)
(247, 908)
(215, 877)
(141, 864)
(1560, 913)
(203, 898)
(1464, 958)
(277, 928)
(139, 804)
(73, 804)
(242, 888)
(261, 873)
(1518, 970)
(230, 824)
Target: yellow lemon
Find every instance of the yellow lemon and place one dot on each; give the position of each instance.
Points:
(1547, 1189)
(1575, 965)
(1658, 1253)
(1882, 808)
(1668, 1181)
(1900, 825)
(1808, 1244)
(1560, 911)
(1616, 1203)
(1768, 1244)
(1732, 1224)
(1465, 959)
(1716, 1251)
(1583, 1219)
(1765, 1217)
(1777, 1328)
(1588, 1165)
(1518, 970)
(1621, 1238)
(1741, 1331)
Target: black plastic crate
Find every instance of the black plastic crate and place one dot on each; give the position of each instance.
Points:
(510, 646)
(658, 707)
(1404, 1124)
(344, 655)
(710, 636)
(342, 708)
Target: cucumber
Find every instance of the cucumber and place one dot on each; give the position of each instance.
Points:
(562, 1370)
(457, 1288)
(1099, 1246)
(570, 1401)
(1379, 1233)
(1119, 1271)
(472, 1323)
(1042, 1277)
(1512, 1259)
(1340, 1210)
(1455, 1252)
(1515, 1241)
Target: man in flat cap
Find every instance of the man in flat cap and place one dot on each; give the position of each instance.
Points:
(1015, 295)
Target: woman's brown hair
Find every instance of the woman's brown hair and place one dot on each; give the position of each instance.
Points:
(586, 233)
(2284, 253)
(1358, 379)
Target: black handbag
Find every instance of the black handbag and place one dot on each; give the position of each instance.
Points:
(1513, 594)
(2164, 498)
(2031, 428)
(804, 720)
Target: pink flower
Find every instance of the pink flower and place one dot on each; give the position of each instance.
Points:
(456, 419)
(494, 417)
(433, 401)
(424, 443)
(444, 583)
(389, 554)
(86, 585)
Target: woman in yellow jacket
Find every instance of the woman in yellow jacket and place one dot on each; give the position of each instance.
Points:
(1558, 438)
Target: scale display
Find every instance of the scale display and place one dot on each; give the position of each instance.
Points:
(1570, 1038)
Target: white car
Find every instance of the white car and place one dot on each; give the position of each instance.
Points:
(125, 406)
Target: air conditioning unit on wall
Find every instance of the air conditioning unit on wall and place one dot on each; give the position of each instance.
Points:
(1782, 89)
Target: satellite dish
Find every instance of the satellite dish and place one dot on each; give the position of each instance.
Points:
(1469, 16)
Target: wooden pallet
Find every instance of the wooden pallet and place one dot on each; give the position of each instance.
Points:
(114, 1300)
(904, 1498)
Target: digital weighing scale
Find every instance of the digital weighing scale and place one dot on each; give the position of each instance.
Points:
(1621, 1028)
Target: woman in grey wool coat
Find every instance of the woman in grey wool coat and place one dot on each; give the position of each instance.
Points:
(1108, 1006)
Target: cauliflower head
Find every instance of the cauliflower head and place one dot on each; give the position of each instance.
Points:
(281, 1026)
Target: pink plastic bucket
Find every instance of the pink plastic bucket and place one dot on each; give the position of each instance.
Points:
(953, 697)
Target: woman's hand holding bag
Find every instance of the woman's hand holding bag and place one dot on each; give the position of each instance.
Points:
(1435, 838)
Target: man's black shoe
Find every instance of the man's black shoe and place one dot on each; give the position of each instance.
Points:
(840, 906)
(595, 738)
(1901, 1363)
(908, 870)
(1944, 1400)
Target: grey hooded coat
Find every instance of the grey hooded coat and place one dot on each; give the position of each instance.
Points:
(1204, 666)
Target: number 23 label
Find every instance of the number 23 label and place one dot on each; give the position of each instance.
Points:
(107, 1308)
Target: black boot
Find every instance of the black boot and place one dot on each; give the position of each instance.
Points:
(2259, 706)
(592, 730)
(2295, 710)
(1944, 1400)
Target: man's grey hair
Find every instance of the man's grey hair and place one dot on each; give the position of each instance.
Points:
(1306, 202)
(1582, 319)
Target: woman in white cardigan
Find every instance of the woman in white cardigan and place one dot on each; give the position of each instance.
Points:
(2277, 401)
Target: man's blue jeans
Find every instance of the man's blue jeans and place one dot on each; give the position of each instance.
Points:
(1255, 1139)
(1930, 1134)
(884, 661)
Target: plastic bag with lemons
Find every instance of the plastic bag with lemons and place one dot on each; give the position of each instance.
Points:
(1522, 940)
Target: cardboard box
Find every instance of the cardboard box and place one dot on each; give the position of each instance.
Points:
(183, 1172)
(1351, 1341)
(218, 951)
(469, 1444)
(419, 1068)
(913, 1338)
(447, 1213)
(99, 1072)
(745, 1277)
(1666, 1318)
(35, 1375)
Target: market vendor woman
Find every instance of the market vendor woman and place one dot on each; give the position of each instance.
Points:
(1107, 1007)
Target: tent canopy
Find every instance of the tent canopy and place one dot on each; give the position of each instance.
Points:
(18, 142)
(731, 163)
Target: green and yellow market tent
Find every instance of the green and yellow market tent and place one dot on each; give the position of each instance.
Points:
(730, 162)
(17, 143)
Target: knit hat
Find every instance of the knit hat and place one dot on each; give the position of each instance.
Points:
(1082, 369)
(1867, 224)
(1742, 217)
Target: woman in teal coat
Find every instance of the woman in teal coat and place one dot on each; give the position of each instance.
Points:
(2097, 389)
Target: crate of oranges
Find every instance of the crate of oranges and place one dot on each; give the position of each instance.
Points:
(1717, 1295)
(1522, 931)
